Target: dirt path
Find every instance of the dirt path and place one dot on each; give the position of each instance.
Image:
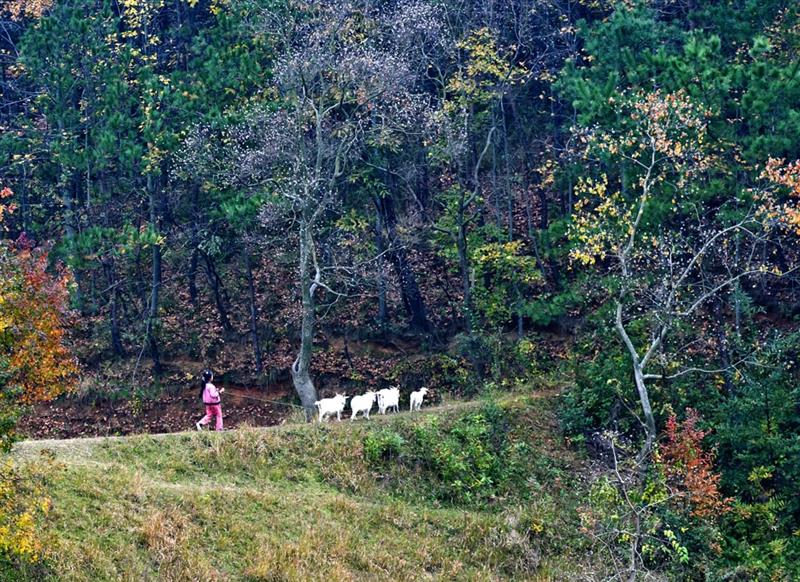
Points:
(82, 447)
(170, 413)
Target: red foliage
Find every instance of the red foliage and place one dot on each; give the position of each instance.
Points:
(690, 468)
(33, 312)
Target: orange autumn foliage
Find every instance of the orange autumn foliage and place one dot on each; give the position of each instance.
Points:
(34, 365)
(19, 9)
(786, 174)
(33, 312)
(690, 468)
(5, 208)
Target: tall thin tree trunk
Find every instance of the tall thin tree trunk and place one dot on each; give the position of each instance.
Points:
(647, 409)
(195, 259)
(194, 295)
(141, 283)
(641, 386)
(69, 191)
(251, 286)
(413, 302)
(507, 172)
(380, 244)
(155, 284)
(423, 188)
(216, 290)
(463, 265)
(301, 368)
(722, 346)
(737, 295)
(25, 209)
(71, 233)
(116, 339)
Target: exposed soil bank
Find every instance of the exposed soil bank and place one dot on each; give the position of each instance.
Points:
(68, 418)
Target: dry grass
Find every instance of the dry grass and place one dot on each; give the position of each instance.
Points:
(168, 535)
(297, 503)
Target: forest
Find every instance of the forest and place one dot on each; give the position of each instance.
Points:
(575, 222)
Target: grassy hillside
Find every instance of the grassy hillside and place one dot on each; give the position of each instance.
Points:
(470, 491)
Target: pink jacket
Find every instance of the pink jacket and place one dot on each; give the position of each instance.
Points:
(210, 395)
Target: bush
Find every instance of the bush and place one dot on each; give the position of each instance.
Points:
(383, 445)
(597, 399)
(470, 460)
(23, 509)
(506, 362)
(756, 438)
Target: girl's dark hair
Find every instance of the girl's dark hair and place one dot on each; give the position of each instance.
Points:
(207, 375)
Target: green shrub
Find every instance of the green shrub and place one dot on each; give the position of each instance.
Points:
(470, 460)
(25, 540)
(505, 362)
(383, 445)
(597, 398)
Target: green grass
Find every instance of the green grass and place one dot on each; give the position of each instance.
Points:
(304, 502)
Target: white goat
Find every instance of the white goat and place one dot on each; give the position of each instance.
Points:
(389, 398)
(333, 405)
(416, 399)
(362, 403)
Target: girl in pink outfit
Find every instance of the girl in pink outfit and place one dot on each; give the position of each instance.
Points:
(212, 401)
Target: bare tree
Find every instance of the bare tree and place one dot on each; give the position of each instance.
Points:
(670, 255)
(341, 86)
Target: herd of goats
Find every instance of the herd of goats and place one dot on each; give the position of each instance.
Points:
(388, 398)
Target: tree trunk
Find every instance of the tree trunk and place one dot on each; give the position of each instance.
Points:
(194, 296)
(141, 283)
(647, 410)
(216, 289)
(641, 386)
(70, 220)
(194, 261)
(380, 244)
(737, 295)
(116, 339)
(463, 266)
(301, 376)
(155, 284)
(413, 302)
(253, 310)
(423, 190)
(722, 346)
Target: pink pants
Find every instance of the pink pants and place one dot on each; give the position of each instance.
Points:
(213, 410)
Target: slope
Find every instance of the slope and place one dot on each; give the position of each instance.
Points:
(470, 491)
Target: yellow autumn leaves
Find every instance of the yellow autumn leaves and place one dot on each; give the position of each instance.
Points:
(663, 140)
(487, 68)
(600, 216)
(22, 504)
(508, 260)
(19, 9)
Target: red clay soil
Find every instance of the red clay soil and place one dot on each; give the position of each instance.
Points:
(171, 413)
